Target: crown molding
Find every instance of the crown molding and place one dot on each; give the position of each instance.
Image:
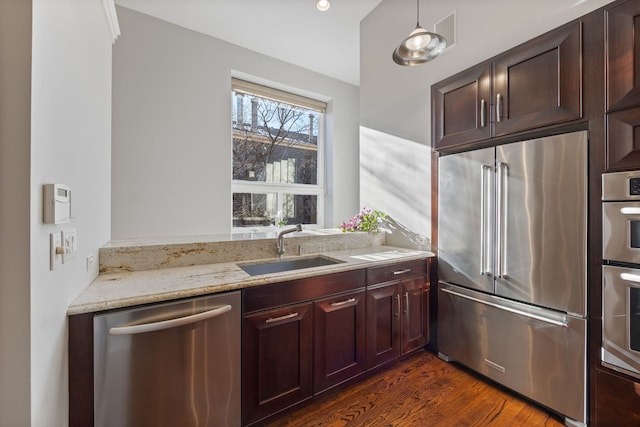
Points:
(112, 18)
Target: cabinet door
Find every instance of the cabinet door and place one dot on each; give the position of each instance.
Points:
(623, 140)
(623, 55)
(339, 339)
(617, 401)
(414, 325)
(276, 360)
(540, 82)
(460, 108)
(383, 324)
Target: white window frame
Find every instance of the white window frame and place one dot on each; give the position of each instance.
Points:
(280, 189)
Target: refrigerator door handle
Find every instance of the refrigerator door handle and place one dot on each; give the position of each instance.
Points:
(554, 322)
(501, 218)
(485, 170)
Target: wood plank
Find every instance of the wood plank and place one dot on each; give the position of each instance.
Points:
(419, 391)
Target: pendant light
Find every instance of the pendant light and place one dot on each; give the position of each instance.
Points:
(421, 46)
(323, 5)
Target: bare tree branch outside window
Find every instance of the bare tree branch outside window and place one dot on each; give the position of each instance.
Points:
(277, 143)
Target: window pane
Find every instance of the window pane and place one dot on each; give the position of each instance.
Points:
(274, 141)
(300, 209)
(252, 209)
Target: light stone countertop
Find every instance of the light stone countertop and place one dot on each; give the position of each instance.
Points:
(125, 289)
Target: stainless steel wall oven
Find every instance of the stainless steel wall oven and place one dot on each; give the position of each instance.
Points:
(621, 272)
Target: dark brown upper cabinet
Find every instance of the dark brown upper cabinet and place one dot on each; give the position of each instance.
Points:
(538, 83)
(622, 58)
(461, 107)
(623, 140)
(623, 55)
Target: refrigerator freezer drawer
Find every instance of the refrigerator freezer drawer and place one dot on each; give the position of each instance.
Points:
(535, 352)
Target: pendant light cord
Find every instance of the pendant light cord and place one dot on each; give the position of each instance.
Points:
(417, 13)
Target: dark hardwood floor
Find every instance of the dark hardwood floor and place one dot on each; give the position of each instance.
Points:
(420, 391)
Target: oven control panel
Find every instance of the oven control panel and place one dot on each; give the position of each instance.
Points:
(620, 186)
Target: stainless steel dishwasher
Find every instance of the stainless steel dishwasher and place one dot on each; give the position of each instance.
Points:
(171, 364)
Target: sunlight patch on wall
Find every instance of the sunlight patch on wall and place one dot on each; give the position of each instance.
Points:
(395, 177)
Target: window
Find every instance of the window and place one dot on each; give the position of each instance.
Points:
(277, 157)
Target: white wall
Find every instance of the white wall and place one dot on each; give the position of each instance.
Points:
(395, 100)
(15, 87)
(171, 170)
(70, 144)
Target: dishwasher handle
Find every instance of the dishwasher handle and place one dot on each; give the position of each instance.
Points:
(170, 323)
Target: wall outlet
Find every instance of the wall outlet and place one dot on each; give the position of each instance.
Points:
(55, 250)
(70, 244)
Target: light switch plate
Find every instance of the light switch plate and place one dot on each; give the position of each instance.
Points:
(90, 261)
(55, 250)
(70, 243)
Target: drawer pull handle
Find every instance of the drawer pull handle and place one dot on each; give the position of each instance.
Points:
(398, 272)
(347, 301)
(277, 319)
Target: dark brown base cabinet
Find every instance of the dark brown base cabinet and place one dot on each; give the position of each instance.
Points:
(339, 339)
(279, 339)
(397, 311)
(276, 360)
(617, 401)
(303, 337)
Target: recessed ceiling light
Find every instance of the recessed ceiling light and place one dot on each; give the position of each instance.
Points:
(323, 5)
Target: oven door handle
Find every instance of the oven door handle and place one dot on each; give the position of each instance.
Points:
(628, 210)
(628, 277)
(171, 323)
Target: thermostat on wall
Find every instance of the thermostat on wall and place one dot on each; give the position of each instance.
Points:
(57, 204)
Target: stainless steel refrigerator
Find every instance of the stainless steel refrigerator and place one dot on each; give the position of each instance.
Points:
(512, 239)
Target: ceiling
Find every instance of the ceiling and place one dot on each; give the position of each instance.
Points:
(290, 30)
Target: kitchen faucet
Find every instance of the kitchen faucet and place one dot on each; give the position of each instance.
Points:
(280, 238)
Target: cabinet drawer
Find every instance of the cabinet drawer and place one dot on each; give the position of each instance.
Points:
(294, 291)
(398, 271)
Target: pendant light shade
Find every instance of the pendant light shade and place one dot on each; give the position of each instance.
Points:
(421, 46)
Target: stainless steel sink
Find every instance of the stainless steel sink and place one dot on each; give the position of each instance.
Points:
(278, 266)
